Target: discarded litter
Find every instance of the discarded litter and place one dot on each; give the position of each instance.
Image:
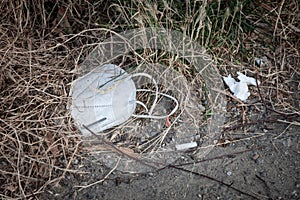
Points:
(240, 88)
(95, 94)
(186, 146)
(106, 97)
(102, 98)
(154, 139)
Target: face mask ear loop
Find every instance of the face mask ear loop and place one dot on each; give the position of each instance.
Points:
(155, 100)
(154, 116)
(156, 89)
(142, 104)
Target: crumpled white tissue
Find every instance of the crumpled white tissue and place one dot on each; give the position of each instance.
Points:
(240, 89)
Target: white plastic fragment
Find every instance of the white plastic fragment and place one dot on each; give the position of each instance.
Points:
(246, 79)
(186, 146)
(240, 88)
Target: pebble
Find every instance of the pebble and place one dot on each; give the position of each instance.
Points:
(152, 133)
(260, 62)
(255, 157)
(295, 194)
(287, 142)
(229, 173)
(197, 137)
(84, 183)
(151, 174)
(75, 162)
(105, 183)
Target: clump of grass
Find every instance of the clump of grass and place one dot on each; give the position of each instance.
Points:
(38, 140)
(234, 32)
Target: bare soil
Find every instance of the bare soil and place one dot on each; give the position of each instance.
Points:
(266, 167)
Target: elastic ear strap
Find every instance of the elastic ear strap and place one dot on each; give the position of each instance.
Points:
(155, 100)
(156, 89)
(142, 104)
(150, 116)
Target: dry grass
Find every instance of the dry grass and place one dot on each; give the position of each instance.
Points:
(274, 40)
(277, 28)
(38, 140)
(235, 33)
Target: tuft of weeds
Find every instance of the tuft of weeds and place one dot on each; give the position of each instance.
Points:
(235, 33)
(38, 141)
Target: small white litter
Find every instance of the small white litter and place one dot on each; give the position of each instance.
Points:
(186, 146)
(106, 97)
(240, 88)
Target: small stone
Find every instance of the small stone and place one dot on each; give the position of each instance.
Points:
(75, 162)
(201, 107)
(104, 183)
(183, 158)
(151, 174)
(287, 142)
(255, 157)
(229, 173)
(295, 193)
(260, 62)
(84, 183)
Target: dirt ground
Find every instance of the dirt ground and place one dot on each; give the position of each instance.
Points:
(266, 167)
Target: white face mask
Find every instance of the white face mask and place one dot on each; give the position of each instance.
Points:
(106, 97)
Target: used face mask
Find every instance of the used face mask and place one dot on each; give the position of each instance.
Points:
(106, 97)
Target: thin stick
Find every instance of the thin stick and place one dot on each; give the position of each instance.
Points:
(117, 150)
(100, 181)
(165, 133)
(278, 18)
(213, 179)
(218, 157)
(266, 185)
